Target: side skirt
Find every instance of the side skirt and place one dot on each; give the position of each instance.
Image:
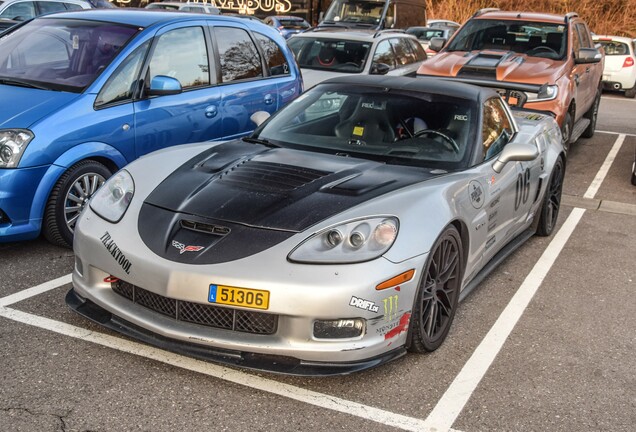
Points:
(506, 251)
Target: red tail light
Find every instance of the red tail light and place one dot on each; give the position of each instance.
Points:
(629, 61)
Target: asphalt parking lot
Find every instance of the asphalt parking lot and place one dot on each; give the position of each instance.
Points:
(546, 342)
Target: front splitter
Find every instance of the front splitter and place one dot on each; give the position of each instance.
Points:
(255, 361)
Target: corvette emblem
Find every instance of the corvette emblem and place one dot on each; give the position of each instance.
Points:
(183, 248)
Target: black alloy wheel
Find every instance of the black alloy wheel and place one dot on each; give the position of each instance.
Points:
(566, 132)
(438, 294)
(552, 201)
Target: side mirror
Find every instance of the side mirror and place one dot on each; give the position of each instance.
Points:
(588, 55)
(515, 152)
(379, 69)
(162, 85)
(437, 43)
(259, 117)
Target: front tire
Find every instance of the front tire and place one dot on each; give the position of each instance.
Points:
(551, 201)
(438, 294)
(566, 132)
(592, 115)
(69, 197)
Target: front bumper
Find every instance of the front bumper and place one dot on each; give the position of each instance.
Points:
(18, 203)
(299, 296)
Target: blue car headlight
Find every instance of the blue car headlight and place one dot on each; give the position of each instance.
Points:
(350, 242)
(111, 201)
(13, 142)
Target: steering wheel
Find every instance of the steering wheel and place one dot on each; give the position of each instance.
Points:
(447, 139)
(537, 50)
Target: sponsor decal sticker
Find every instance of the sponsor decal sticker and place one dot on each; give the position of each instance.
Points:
(116, 253)
(390, 307)
(364, 304)
(183, 248)
(401, 327)
(476, 192)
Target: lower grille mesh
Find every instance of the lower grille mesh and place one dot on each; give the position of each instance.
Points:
(196, 313)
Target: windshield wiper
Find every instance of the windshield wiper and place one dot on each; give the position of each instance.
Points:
(260, 141)
(21, 83)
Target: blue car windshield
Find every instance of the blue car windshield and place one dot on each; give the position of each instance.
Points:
(396, 127)
(60, 54)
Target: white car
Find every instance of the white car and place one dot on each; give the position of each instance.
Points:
(186, 7)
(325, 53)
(22, 10)
(620, 64)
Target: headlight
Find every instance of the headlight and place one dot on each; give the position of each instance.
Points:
(546, 92)
(351, 242)
(112, 200)
(12, 145)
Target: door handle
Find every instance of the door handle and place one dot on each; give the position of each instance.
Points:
(269, 99)
(211, 111)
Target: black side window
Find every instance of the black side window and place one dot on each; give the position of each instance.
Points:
(72, 6)
(420, 54)
(120, 85)
(274, 57)
(403, 52)
(182, 54)
(584, 36)
(496, 130)
(384, 54)
(238, 55)
(19, 11)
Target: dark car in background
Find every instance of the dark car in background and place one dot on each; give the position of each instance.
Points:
(287, 25)
(112, 85)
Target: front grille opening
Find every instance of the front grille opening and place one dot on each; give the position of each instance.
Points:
(197, 313)
(4, 219)
(204, 227)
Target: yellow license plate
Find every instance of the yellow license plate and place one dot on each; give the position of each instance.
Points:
(245, 297)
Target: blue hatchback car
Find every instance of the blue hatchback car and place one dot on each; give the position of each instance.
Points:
(84, 93)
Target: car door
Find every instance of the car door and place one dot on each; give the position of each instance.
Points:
(509, 194)
(243, 82)
(181, 51)
(585, 88)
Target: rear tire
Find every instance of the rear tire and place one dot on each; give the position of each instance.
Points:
(551, 201)
(438, 294)
(69, 197)
(634, 173)
(630, 93)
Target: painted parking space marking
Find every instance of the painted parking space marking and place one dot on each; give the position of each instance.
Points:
(252, 381)
(36, 290)
(461, 389)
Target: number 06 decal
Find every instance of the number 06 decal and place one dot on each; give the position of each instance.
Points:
(522, 190)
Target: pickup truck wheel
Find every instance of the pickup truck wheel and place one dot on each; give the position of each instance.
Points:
(592, 115)
(630, 93)
(69, 197)
(566, 132)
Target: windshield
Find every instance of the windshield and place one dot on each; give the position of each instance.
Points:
(330, 54)
(415, 129)
(60, 54)
(355, 11)
(535, 39)
(614, 48)
(426, 34)
(293, 23)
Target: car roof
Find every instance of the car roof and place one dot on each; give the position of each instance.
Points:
(521, 16)
(357, 35)
(419, 84)
(136, 17)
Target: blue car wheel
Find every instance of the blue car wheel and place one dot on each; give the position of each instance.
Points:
(69, 197)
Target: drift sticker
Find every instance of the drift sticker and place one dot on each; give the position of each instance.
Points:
(364, 304)
(114, 250)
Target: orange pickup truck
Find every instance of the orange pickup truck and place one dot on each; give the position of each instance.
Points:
(537, 61)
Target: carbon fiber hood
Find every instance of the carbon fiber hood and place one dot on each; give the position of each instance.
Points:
(245, 198)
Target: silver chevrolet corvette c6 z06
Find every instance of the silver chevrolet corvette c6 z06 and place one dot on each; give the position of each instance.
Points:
(340, 235)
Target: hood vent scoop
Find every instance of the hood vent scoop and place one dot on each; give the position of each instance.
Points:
(270, 177)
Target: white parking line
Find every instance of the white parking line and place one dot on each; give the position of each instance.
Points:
(36, 290)
(615, 133)
(252, 381)
(461, 389)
